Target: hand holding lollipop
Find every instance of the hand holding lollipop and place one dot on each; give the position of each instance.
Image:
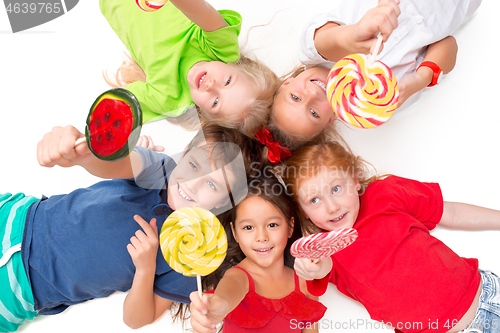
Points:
(193, 242)
(323, 244)
(363, 93)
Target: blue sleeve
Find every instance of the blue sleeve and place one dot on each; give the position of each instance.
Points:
(156, 168)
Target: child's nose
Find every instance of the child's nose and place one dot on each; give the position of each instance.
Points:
(210, 84)
(332, 206)
(261, 236)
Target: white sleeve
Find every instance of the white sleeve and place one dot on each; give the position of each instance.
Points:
(346, 12)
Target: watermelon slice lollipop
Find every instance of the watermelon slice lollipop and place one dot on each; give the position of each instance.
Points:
(113, 124)
(323, 244)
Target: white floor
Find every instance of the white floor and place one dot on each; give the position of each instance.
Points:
(51, 74)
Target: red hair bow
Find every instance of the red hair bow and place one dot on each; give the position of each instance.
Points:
(276, 152)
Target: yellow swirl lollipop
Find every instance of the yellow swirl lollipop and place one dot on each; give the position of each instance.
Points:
(362, 93)
(193, 241)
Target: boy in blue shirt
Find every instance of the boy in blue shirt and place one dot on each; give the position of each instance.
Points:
(88, 244)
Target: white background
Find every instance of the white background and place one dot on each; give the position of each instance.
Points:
(51, 74)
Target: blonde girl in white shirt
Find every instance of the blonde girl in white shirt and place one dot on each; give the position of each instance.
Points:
(413, 31)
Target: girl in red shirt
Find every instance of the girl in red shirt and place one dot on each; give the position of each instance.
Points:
(262, 293)
(404, 276)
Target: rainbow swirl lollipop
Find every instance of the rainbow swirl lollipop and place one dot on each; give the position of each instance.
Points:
(362, 93)
(193, 241)
(150, 6)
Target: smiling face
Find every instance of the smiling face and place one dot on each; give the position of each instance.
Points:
(196, 183)
(220, 89)
(330, 199)
(262, 237)
(301, 107)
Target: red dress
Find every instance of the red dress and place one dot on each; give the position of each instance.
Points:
(259, 314)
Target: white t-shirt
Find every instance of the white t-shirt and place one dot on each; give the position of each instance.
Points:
(421, 22)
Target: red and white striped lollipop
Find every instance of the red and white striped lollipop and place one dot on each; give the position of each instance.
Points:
(323, 244)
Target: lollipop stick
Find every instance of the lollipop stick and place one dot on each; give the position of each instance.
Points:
(80, 141)
(198, 281)
(377, 48)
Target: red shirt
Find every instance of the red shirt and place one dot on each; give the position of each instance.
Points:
(400, 273)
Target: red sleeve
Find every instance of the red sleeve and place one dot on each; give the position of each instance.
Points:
(318, 287)
(423, 201)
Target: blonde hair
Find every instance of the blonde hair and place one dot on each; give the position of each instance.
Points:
(254, 115)
(309, 160)
(291, 140)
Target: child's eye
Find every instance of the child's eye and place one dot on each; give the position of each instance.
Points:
(336, 189)
(193, 166)
(314, 113)
(273, 225)
(247, 227)
(295, 98)
(314, 200)
(216, 102)
(228, 81)
(212, 185)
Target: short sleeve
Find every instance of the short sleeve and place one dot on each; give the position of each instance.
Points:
(423, 201)
(174, 286)
(222, 44)
(156, 169)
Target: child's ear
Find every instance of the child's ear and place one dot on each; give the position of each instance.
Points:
(285, 83)
(330, 121)
(358, 185)
(222, 203)
(290, 227)
(234, 233)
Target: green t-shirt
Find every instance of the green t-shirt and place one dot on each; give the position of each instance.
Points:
(166, 44)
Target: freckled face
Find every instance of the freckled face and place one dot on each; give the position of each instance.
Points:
(330, 200)
(220, 89)
(301, 107)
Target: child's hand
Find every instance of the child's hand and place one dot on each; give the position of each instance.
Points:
(206, 314)
(145, 141)
(143, 246)
(58, 148)
(309, 270)
(383, 19)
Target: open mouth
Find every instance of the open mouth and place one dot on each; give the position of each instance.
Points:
(320, 84)
(183, 194)
(200, 78)
(338, 218)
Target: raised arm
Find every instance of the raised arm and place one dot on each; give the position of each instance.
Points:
(142, 306)
(443, 53)
(201, 13)
(58, 148)
(334, 41)
(469, 217)
(207, 313)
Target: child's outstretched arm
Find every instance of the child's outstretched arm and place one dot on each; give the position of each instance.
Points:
(469, 217)
(443, 53)
(142, 306)
(58, 148)
(334, 42)
(201, 13)
(207, 313)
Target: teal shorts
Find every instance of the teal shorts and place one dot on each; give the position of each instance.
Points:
(16, 297)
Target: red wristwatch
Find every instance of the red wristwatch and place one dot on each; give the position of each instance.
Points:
(438, 73)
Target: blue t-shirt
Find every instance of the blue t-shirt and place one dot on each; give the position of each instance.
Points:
(75, 245)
